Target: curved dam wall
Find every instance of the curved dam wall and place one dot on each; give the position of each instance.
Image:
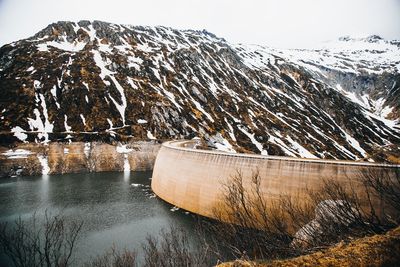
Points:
(193, 179)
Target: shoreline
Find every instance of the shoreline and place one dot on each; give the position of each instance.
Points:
(28, 159)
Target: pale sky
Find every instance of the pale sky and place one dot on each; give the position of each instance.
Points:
(279, 23)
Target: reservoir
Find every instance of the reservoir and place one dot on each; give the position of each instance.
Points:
(116, 207)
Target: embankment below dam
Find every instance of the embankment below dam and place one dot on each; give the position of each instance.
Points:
(193, 179)
(59, 158)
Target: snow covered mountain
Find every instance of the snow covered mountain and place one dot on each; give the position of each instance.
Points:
(102, 81)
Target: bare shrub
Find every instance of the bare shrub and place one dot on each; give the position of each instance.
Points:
(367, 206)
(339, 213)
(28, 243)
(385, 185)
(114, 258)
(247, 224)
(258, 227)
(173, 248)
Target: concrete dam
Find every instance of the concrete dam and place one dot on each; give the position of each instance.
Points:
(193, 179)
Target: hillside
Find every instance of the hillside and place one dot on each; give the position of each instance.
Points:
(97, 81)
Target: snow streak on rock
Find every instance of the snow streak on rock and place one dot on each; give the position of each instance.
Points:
(45, 164)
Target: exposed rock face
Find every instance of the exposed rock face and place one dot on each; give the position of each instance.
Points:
(96, 81)
(332, 212)
(59, 158)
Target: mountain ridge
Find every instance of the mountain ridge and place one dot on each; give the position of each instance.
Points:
(97, 81)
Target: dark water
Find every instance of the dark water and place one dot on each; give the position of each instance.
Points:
(113, 210)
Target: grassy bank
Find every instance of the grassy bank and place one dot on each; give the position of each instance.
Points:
(377, 250)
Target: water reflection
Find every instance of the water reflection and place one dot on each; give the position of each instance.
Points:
(44, 188)
(127, 174)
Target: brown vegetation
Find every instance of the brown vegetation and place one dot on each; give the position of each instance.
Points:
(377, 250)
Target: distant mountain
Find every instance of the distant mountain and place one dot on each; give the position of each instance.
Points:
(108, 82)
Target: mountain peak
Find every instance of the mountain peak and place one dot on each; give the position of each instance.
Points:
(370, 39)
(98, 30)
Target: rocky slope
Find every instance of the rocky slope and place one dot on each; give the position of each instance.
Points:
(96, 81)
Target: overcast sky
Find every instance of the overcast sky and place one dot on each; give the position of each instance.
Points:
(281, 23)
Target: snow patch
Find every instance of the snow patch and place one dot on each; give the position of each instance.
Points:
(17, 154)
(231, 132)
(53, 91)
(86, 85)
(48, 127)
(64, 45)
(66, 126)
(37, 125)
(100, 63)
(43, 128)
(134, 62)
(277, 141)
(127, 166)
(225, 146)
(86, 149)
(131, 83)
(110, 123)
(150, 135)
(83, 119)
(123, 149)
(121, 107)
(304, 153)
(45, 164)
(19, 133)
(42, 48)
(221, 143)
(355, 144)
(254, 141)
(199, 107)
(386, 111)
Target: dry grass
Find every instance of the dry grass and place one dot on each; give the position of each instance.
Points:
(377, 250)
